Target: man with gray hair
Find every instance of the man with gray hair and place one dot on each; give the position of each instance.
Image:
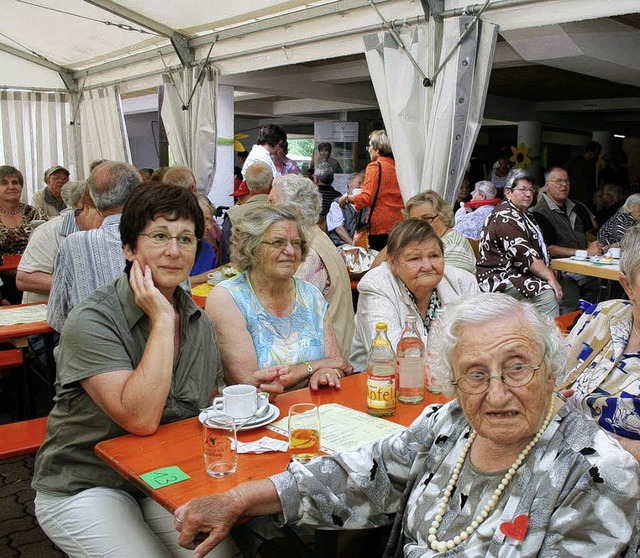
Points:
(323, 179)
(89, 259)
(323, 266)
(472, 214)
(258, 178)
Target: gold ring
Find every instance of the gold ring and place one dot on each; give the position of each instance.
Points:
(178, 519)
(337, 372)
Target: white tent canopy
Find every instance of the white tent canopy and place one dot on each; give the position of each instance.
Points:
(75, 48)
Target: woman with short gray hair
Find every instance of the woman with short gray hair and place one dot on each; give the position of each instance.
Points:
(324, 267)
(613, 231)
(472, 214)
(264, 317)
(506, 469)
(604, 355)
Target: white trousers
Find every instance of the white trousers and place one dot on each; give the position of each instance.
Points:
(112, 524)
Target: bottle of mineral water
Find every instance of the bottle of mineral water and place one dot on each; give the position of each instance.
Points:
(381, 377)
(410, 364)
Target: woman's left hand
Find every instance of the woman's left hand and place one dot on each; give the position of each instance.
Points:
(269, 379)
(328, 377)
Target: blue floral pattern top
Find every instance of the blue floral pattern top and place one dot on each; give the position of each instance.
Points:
(292, 339)
(608, 389)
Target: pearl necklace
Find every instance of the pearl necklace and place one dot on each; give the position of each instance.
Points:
(17, 212)
(442, 546)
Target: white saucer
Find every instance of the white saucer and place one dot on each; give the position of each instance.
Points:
(579, 259)
(272, 414)
(598, 260)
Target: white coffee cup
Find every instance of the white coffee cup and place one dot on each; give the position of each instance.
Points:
(240, 401)
(581, 254)
(356, 191)
(614, 253)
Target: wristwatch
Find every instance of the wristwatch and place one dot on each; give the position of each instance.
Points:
(309, 368)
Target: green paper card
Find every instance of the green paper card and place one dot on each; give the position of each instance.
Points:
(164, 477)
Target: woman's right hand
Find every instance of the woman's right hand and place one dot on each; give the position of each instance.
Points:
(147, 296)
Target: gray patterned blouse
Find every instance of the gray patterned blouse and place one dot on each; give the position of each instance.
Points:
(576, 495)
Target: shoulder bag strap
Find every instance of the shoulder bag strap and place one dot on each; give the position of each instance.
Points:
(375, 197)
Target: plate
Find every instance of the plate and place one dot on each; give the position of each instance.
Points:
(580, 259)
(272, 414)
(598, 260)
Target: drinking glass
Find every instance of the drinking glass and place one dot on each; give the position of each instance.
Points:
(219, 445)
(304, 431)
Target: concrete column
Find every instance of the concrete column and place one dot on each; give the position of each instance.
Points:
(530, 134)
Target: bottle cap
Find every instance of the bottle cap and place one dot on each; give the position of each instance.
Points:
(381, 326)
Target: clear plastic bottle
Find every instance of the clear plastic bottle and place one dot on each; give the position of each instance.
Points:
(381, 375)
(410, 378)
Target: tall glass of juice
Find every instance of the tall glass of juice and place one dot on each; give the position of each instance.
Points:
(304, 431)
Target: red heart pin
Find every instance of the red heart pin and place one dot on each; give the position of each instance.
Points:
(516, 529)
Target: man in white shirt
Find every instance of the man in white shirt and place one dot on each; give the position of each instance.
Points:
(269, 138)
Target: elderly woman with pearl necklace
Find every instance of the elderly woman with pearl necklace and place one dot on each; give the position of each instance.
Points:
(506, 470)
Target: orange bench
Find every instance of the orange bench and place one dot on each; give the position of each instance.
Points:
(566, 322)
(22, 438)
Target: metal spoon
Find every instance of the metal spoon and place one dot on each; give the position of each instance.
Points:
(261, 412)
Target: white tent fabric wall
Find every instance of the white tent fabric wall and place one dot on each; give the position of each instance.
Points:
(192, 133)
(102, 127)
(174, 119)
(458, 104)
(36, 135)
(404, 102)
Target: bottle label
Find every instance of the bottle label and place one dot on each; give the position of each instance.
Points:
(410, 373)
(381, 392)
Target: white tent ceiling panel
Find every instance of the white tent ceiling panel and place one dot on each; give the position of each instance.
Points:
(22, 74)
(189, 18)
(65, 32)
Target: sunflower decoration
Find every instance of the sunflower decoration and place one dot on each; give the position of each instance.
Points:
(520, 157)
(237, 146)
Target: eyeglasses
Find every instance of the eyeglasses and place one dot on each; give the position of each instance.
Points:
(476, 382)
(561, 181)
(429, 219)
(185, 241)
(524, 190)
(282, 243)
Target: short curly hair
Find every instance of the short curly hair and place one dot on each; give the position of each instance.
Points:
(248, 234)
(487, 308)
(301, 194)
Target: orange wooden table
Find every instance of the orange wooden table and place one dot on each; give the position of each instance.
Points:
(180, 444)
(10, 263)
(17, 335)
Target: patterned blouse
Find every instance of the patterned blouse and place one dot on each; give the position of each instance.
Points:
(509, 244)
(576, 495)
(14, 241)
(616, 227)
(609, 389)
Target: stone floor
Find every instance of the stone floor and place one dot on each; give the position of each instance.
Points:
(20, 535)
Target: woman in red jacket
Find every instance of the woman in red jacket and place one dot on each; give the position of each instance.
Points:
(380, 191)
